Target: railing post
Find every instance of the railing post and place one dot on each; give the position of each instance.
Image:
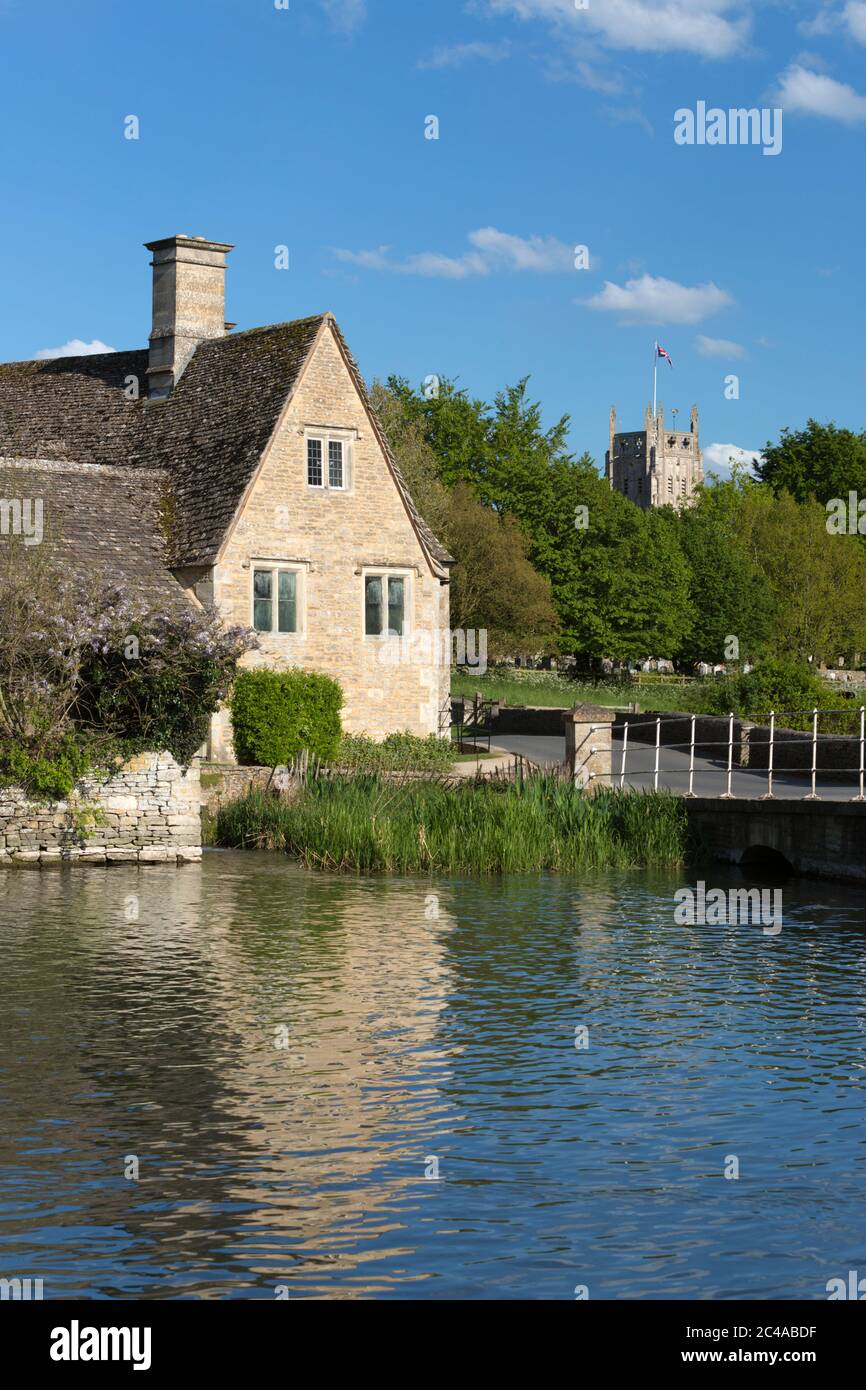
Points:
(727, 795)
(769, 791)
(692, 761)
(861, 797)
(658, 747)
(813, 795)
(622, 763)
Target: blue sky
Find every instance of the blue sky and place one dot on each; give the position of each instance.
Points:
(306, 127)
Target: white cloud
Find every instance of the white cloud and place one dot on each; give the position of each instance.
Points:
(492, 251)
(718, 347)
(854, 15)
(718, 457)
(629, 115)
(824, 22)
(345, 15)
(828, 20)
(818, 95)
(74, 348)
(652, 299)
(712, 28)
(459, 54)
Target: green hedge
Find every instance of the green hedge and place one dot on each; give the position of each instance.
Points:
(277, 714)
(401, 752)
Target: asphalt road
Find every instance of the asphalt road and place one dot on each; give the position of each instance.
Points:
(710, 777)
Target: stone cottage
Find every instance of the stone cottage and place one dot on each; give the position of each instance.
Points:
(247, 470)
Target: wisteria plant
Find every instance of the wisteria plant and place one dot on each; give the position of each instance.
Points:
(88, 675)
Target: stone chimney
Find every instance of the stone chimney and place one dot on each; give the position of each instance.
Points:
(189, 275)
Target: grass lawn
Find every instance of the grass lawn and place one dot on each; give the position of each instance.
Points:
(549, 688)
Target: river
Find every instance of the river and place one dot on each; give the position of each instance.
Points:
(247, 1080)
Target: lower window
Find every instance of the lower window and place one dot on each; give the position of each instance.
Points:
(384, 605)
(275, 600)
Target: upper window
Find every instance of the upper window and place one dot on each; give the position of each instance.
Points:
(384, 605)
(314, 462)
(327, 462)
(275, 600)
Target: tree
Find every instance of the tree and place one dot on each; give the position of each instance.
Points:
(820, 461)
(620, 580)
(729, 592)
(493, 585)
(415, 456)
(817, 580)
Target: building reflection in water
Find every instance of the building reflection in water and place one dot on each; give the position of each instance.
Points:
(267, 1040)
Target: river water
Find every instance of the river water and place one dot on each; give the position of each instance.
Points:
(241, 1079)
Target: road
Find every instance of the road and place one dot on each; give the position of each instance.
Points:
(710, 777)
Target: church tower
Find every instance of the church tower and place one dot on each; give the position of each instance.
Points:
(655, 467)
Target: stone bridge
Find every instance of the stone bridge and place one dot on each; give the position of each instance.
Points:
(825, 839)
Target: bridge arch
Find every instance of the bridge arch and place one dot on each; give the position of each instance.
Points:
(765, 857)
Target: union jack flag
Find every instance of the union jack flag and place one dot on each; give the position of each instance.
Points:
(666, 355)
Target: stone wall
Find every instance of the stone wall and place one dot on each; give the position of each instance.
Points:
(223, 782)
(148, 812)
(547, 721)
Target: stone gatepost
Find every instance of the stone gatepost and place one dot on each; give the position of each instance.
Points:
(588, 746)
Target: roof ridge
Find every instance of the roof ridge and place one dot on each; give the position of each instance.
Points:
(72, 357)
(269, 328)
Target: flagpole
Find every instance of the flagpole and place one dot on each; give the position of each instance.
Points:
(655, 377)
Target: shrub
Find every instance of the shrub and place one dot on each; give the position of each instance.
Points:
(783, 684)
(150, 681)
(278, 714)
(48, 779)
(87, 674)
(396, 753)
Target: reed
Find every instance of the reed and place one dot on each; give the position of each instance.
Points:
(366, 825)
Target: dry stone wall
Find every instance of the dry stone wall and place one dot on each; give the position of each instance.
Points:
(149, 811)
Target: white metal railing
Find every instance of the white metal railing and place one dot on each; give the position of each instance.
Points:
(713, 760)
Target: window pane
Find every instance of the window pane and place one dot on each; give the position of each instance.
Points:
(314, 462)
(263, 617)
(395, 607)
(373, 606)
(288, 606)
(335, 463)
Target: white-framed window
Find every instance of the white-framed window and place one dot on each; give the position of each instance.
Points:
(386, 603)
(277, 598)
(328, 460)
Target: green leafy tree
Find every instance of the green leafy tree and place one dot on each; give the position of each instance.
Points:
(729, 592)
(817, 579)
(821, 461)
(620, 580)
(415, 456)
(493, 584)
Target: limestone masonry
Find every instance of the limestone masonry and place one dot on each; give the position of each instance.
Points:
(655, 467)
(148, 812)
